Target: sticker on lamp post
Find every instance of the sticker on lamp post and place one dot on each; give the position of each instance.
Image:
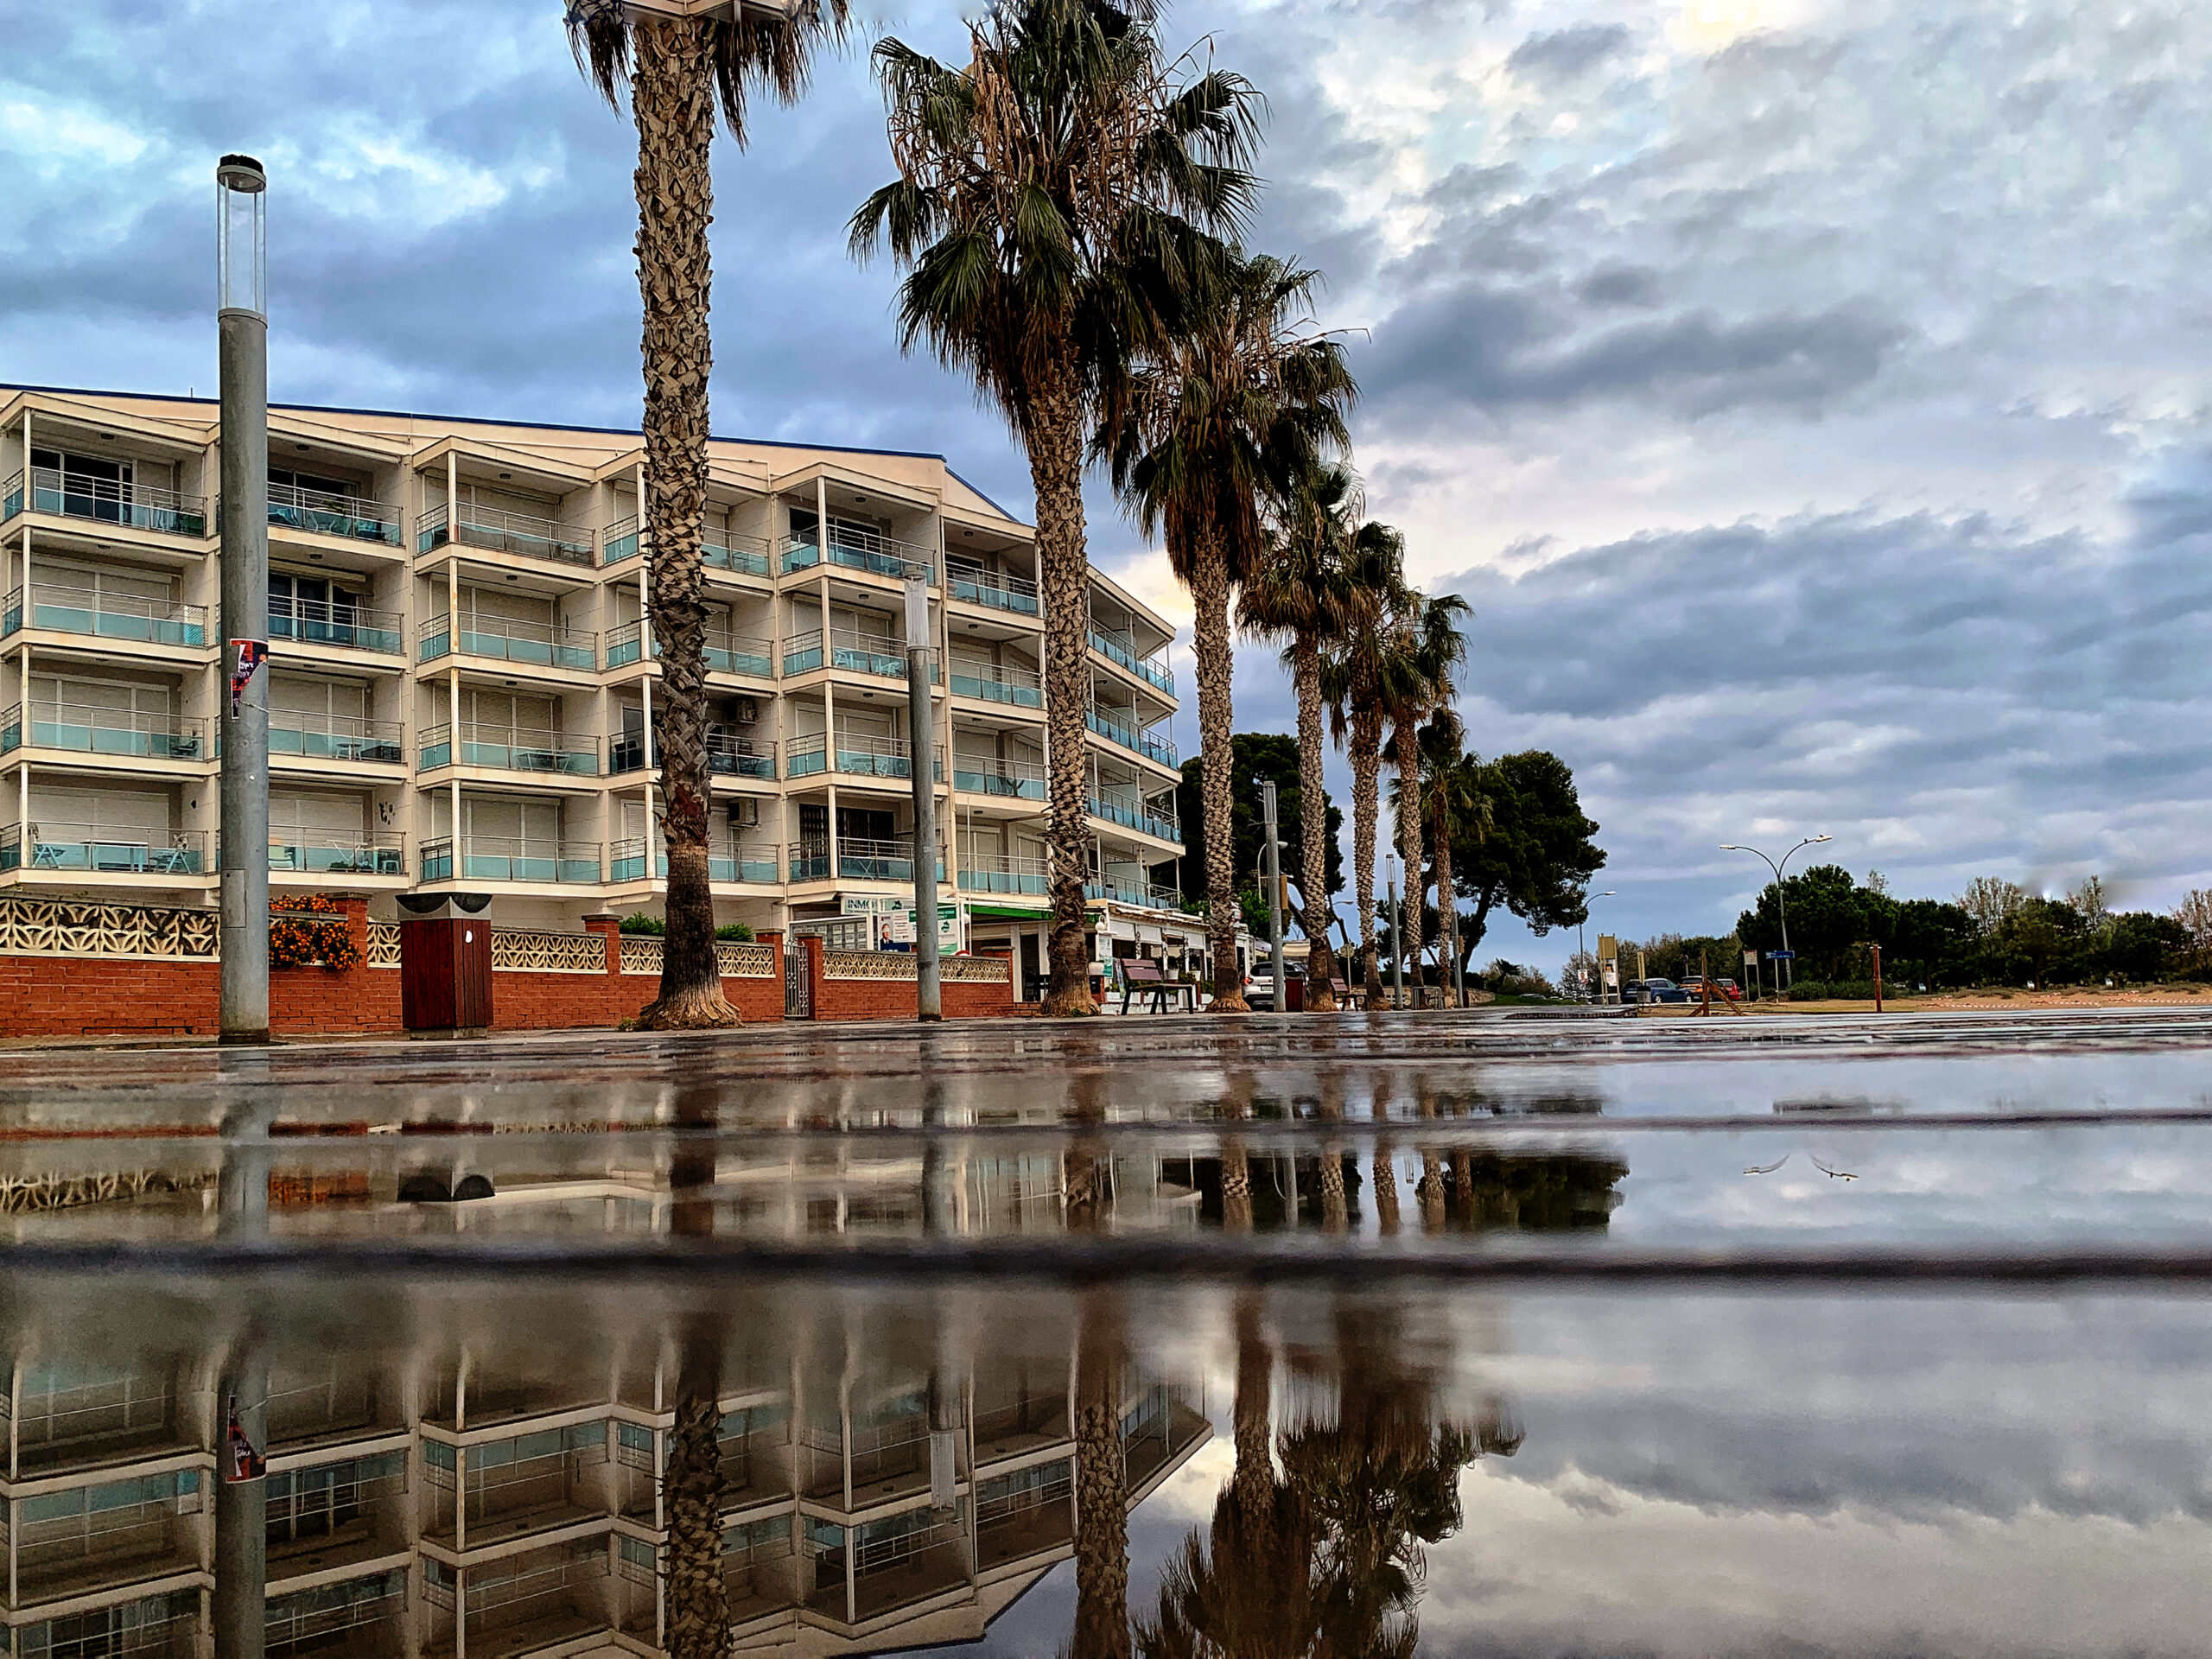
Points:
(247, 659)
(240, 1461)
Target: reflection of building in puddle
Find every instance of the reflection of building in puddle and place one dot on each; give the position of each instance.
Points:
(477, 1497)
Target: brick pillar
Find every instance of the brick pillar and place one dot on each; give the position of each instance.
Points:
(604, 924)
(812, 944)
(774, 940)
(357, 920)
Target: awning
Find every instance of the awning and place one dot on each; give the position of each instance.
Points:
(1002, 913)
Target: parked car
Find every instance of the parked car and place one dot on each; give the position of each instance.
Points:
(1260, 993)
(1694, 988)
(1662, 990)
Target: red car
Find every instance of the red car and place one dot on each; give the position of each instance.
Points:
(1724, 989)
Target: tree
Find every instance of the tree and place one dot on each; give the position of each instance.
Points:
(1536, 857)
(2194, 917)
(1054, 195)
(1255, 755)
(1829, 913)
(1989, 900)
(1351, 687)
(1305, 598)
(1426, 650)
(677, 69)
(1219, 413)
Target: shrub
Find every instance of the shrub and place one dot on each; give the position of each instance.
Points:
(641, 923)
(737, 933)
(296, 941)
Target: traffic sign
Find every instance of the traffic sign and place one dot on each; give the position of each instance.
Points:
(1782, 956)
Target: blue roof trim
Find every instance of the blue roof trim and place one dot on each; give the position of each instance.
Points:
(529, 426)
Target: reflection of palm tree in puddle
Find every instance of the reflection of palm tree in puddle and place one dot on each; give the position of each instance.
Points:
(1327, 1560)
(698, 1624)
(1430, 1188)
(1101, 1517)
(1235, 1168)
(1334, 1214)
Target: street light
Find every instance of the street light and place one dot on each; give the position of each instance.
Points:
(1780, 902)
(1581, 948)
(1397, 935)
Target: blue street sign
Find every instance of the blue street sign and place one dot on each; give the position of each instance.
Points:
(1782, 956)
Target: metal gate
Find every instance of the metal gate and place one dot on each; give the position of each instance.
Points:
(798, 988)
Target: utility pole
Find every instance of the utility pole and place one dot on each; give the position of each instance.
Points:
(1275, 890)
(929, 998)
(242, 322)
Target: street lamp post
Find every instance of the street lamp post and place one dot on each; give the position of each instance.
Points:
(1780, 899)
(1581, 946)
(1274, 891)
(1397, 937)
(929, 999)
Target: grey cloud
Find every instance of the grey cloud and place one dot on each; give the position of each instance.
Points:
(1565, 53)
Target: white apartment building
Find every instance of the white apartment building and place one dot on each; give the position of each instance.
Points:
(462, 683)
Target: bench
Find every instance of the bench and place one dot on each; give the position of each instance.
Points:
(1141, 976)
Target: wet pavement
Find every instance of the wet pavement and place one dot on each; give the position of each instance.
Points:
(1479, 1334)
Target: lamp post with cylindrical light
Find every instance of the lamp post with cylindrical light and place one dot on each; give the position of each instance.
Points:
(1581, 946)
(1780, 901)
(242, 325)
(1397, 936)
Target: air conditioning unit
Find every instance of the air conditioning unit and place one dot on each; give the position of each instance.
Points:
(744, 814)
(748, 711)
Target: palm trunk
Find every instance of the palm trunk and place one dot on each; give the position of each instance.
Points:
(1366, 805)
(1312, 828)
(673, 98)
(1235, 1186)
(1405, 754)
(1253, 1476)
(1054, 437)
(1101, 1514)
(1335, 1213)
(1209, 570)
(1447, 930)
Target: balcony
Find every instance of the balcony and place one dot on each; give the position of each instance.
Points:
(335, 737)
(544, 1601)
(1114, 651)
(1016, 687)
(1019, 780)
(507, 858)
(353, 627)
(725, 653)
(858, 755)
(975, 586)
(719, 549)
(359, 1616)
(510, 748)
(726, 862)
(77, 729)
(374, 852)
(1129, 890)
(506, 640)
(107, 616)
(107, 852)
(1002, 873)
(105, 501)
(856, 858)
(86, 1535)
(856, 653)
(155, 1627)
(859, 550)
(351, 517)
(1135, 818)
(344, 1510)
(727, 757)
(1109, 724)
(516, 533)
(620, 542)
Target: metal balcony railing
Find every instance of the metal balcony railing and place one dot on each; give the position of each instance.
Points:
(619, 541)
(740, 757)
(309, 1621)
(54, 846)
(335, 737)
(861, 755)
(727, 861)
(506, 533)
(113, 1520)
(1133, 815)
(974, 585)
(507, 858)
(1021, 780)
(106, 501)
(857, 653)
(726, 652)
(78, 728)
(155, 1627)
(856, 548)
(509, 748)
(318, 622)
(373, 852)
(1002, 873)
(507, 640)
(1115, 651)
(106, 615)
(719, 549)
(992, 683)
(352, 517)
(860, 858)
(1110, 724)
(1125, 890)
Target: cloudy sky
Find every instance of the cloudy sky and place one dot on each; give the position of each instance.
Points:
(1807, 396)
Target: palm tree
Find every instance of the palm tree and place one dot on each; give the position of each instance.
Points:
(1424, 648)
(1052, 195)
(1460, 800)
(1304, 597)
(1351, 674)
(1237, 399)
(677, 69)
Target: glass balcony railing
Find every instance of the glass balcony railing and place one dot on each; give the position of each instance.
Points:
(806, 757)
(1115, 651)
(863, 756)
(319, 513)
(106, 615)
(352, 627)
(1110, 725)
(77, 729)
(973, 585)
(726, 862)
(1127, 891)
(1016, 687)
(507, 640)
(740, 757)
(1021, 780)
(856, 653)
(619, 542)
(719, 549)
(860, 858)
(1132, 816)
(999, 872)
(105, 501)
(507, 748)
(725, 653)
(852, 548)
(336, 737)
(506, 533)
(505, 858)
(87, 847)
(316, 853)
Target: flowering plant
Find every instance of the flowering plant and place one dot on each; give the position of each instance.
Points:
(296, 940)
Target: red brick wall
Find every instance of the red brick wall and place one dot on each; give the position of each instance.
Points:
(895, 999)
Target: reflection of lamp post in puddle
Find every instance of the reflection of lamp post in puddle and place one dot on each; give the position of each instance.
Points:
(1833, 1174)
(1781, 904)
